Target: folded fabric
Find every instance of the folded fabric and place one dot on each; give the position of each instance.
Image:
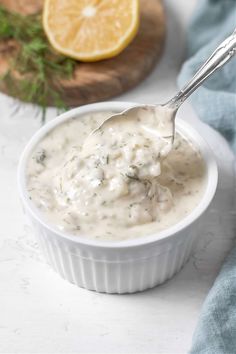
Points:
(215, 103)
(216, 329)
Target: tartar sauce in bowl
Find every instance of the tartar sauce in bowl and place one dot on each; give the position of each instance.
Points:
(121, 186)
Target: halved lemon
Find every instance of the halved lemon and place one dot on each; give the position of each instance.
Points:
(90, 30)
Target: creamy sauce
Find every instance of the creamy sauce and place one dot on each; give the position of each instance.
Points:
(134, 142)
(116, 184)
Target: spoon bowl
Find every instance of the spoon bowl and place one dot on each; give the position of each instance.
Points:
(154, 122)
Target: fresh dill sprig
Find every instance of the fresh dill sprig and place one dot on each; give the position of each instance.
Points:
(35, 68)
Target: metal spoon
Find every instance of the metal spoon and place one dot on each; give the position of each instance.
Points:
(165, 114)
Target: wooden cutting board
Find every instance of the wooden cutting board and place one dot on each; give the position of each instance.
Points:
(102, 80)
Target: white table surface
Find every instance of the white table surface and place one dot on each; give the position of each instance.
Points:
(41, 313)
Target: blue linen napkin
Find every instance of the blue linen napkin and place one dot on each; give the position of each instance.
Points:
(215, 103)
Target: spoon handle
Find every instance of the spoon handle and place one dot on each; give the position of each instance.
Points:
(223, 53)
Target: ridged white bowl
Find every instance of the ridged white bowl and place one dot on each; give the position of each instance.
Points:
(120, 266)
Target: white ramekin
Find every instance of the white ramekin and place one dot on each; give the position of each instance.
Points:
(122, 266)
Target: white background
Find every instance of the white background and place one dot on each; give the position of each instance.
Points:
(41, 313)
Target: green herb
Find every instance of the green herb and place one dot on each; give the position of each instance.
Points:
(132, 204)
(41, 156)
(35, 64)
(133, 173)
(132, 177)
(66, 221)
